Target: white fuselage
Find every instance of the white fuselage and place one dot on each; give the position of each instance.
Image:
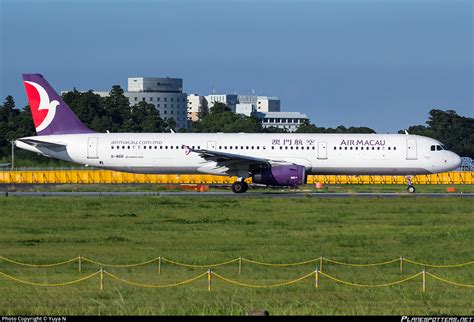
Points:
(160, 153)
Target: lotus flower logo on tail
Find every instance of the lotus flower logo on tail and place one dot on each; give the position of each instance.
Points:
(42, 108)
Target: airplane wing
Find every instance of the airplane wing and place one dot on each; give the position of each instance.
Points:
(43, 144)
(232, 158)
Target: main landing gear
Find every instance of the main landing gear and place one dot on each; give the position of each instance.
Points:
(411, 187)
(240, 186)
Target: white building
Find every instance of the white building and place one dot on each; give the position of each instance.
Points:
(196, 105)
(228, 99)
(165, 93)
(245, 108)
(283, 120)
(268, 104)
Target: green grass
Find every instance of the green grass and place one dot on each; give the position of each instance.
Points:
(205, 230)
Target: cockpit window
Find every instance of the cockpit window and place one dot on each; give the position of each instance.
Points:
(438, 148)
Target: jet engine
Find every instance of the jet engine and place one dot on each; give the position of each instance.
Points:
(283, 175)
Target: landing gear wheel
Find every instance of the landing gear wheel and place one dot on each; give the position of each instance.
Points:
(411, 189)
(239, 186)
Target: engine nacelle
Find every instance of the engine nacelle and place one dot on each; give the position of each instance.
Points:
(283, 175)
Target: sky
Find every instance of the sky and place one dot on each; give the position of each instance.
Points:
(377, 63)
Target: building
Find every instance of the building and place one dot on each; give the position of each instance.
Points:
(268, 104)
(245, 108)
(248, 104)
(196, 106)
(228, 99)
(283, 120)
(165, 93)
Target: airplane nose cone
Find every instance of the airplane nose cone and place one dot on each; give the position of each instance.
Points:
(456, 161)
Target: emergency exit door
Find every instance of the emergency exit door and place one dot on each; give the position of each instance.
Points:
(93, 148)
(411, 149)
(322, 150)
(211, 145)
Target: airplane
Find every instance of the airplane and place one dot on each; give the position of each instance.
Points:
(270, 159)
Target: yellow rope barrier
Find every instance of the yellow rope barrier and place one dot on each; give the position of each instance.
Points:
(39, 265)
(49, 284)
(449, 282)
(155, 286)
(281, 265)
(369, 285)
(240, 259)
(438, 266)
(361, 265)
(199, 266)
(262, 286)
(119, 265)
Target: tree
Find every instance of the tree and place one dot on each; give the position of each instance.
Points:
(222, 119)
(453, 130)
(117, 107)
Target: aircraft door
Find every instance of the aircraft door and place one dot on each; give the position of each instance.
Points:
(322, 150)
(411, 149)
(93, 148)
(211, 145)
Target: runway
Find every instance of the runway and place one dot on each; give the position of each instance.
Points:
(234, 195)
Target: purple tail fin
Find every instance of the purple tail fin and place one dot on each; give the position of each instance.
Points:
(51, 114)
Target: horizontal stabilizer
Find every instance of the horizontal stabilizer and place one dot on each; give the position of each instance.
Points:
(42, 144)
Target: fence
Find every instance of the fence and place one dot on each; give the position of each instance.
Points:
(107, 176)
(318, 273)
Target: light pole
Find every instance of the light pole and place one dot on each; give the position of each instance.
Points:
(13, 153)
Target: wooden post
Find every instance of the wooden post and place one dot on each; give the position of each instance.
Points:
(401, 264)
(321, 263)
(101, 279)
(424, 280)
(159, 265)
(209, 272)
(317, 278)
(80, 264)
(240, 265)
